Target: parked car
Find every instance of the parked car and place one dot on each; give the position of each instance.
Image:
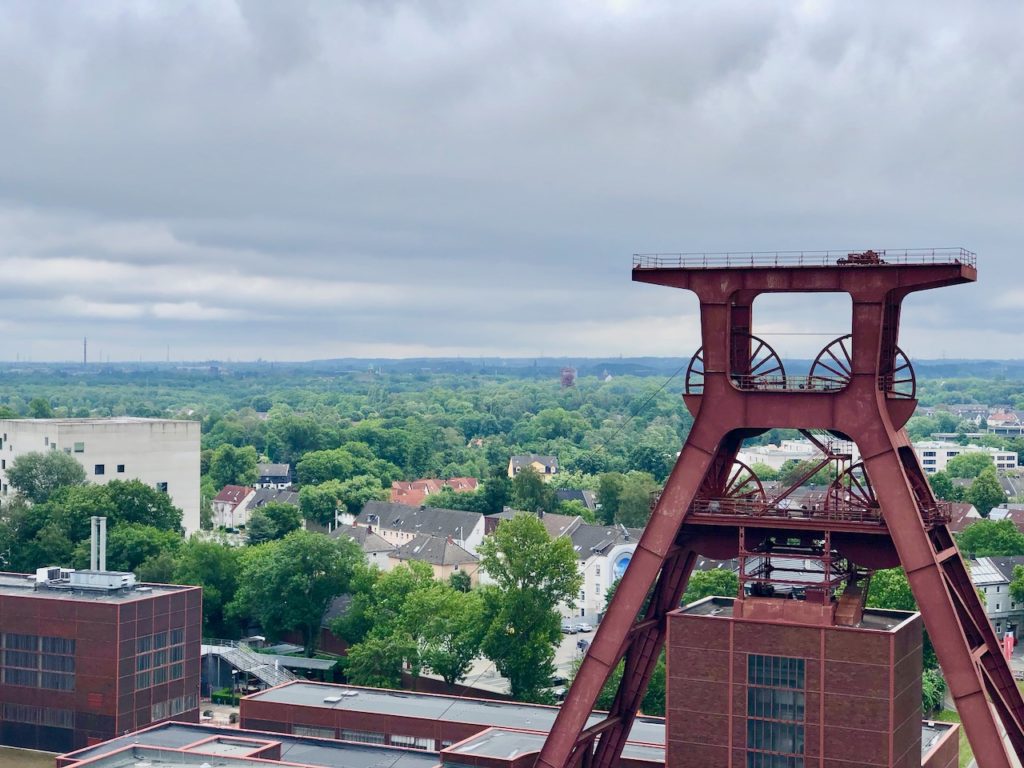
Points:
(582, 626)
(559, 680)
(568, 628)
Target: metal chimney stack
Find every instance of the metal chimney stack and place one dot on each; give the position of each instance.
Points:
(98, 544)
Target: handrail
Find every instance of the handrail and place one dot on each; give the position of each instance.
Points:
(836, 510)
(851, 259)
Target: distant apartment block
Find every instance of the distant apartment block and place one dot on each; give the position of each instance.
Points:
(89, 655)
(775, 456)
(162, 453)
(935, 455)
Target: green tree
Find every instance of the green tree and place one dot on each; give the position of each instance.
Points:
(448, 626)
(354, 493)
(532, 574)
(6, 412)
(890, 589)
(213, 566)
(651, 459)
(377, 661)
(531, 494)
(39, 408)
(497, 491)
(274, 520)
(991, 538)
(635, 496)
(320, 503)
(461, 581)
(969, 464)
(233, 466)
(985, 492)
(722, 582)
(132, 501)
(933, 691)
(288, 584)
(37, 475)
(609, 492)
(764, 472)
(943, 487)
(1017, 585)
(130, 545)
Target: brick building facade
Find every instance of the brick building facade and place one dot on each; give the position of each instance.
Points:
(82, 665)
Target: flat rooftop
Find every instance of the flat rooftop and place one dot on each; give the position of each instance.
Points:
(184, 744)
(507, 744)
(483, 712)
(24, 585)
(874, 618)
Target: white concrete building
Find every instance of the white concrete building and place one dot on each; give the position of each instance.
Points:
(935, 455)
(162, 453)
(992, 577)
(791, 450)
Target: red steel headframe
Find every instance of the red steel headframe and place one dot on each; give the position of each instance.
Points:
(862, 396)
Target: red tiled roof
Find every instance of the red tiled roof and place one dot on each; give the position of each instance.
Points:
(233, 494)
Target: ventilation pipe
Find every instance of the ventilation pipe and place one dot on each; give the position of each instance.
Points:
(98, 544)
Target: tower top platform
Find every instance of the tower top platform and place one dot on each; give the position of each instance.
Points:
(799, 259)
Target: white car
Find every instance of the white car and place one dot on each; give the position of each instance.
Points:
(584, 627)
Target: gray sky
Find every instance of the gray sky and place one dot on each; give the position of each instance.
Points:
(300, 180)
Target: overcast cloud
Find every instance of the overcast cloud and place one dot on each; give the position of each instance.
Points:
(305, 180)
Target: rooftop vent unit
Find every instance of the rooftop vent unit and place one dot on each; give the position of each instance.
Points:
(53, 574)
(104, 581)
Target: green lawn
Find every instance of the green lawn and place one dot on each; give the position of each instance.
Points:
(950, 716)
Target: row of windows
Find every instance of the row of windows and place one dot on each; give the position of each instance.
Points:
(33, 661)
(23, 713)
(366, 737)
(775, 704)
(760, 760)
(159, 658)
(772, 736)
(173, 707)
(775, 671)
(17, 642)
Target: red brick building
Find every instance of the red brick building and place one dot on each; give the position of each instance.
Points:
(766, 688)
(90, 655)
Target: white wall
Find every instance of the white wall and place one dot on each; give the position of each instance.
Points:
(154, 451)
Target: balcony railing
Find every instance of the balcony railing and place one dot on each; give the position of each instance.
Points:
(837, 510)
(803, 259)
(788, 383)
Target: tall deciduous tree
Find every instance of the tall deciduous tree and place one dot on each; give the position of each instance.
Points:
(274, 520)
(531, 494)
(213, 566)
(233, 466)
(722, 582)
(38, 475)
(969, 464)
(288, 584)
(991, 538)
(533, 573)
(448, 627)
(985, 492)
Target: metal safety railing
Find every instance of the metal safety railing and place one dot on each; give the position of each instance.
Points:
(804, 258)
(788, 383)
(836, 510)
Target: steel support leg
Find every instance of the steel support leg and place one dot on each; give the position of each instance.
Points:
(660, 562)
(957, 625)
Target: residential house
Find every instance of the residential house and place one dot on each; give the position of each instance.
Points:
(603, 552)
(992, 577)
(961, 516)
(399, 524)
(264, 496)
(230, 506)
(586, 498)
(414, 492)
(273, 476)
(556, 525)
(545, 466)
(441, 553)
(375, 548)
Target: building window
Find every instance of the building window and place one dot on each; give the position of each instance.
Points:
(397, 740)
(597, 570)
(79, 447)
(120, 468)
(365, 737)
(309, 730)
(159, 658)
(3, 463)
(37, 662)
(99, 469)
(775, 711)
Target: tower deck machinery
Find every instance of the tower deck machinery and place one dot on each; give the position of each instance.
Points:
(878, 513)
